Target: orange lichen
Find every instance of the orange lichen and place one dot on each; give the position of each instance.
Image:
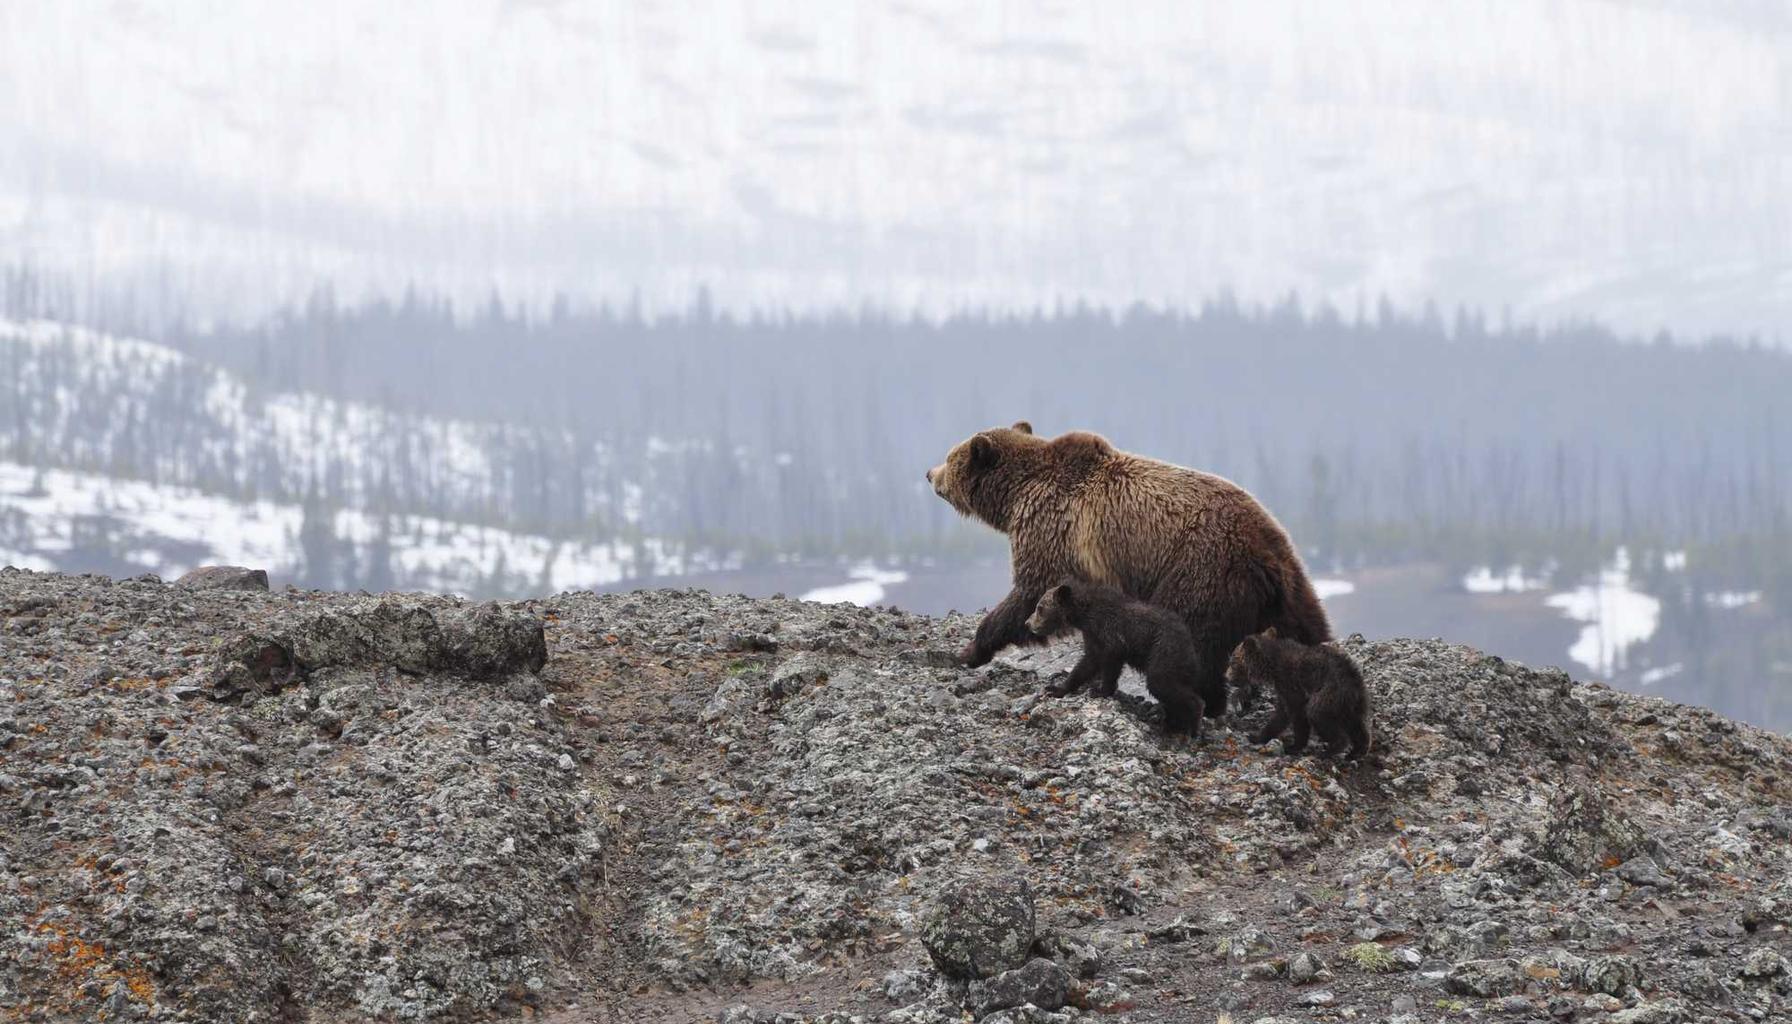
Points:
(78, 962)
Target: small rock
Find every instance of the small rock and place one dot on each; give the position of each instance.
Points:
(1082, 960)
(1305, 967)
(1642, 870)
(1264, 970)
(1483, 978)
(1108, 997)
(906, 986)
(1245, 944)
(1650, 1013)
(1179, 930)
(799, 673)
(1610, 974)
(1039, 982)
(1763, 963)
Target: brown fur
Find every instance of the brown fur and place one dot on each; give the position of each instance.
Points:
(1190, 542)
(1318, 688)
(1119, 631)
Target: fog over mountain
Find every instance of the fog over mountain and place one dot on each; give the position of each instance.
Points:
(1630, 162)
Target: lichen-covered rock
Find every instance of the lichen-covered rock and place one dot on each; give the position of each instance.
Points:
(1484, 978)
(491, 642)
(251, 665)
(224, 577)
(1610, 974)
(391, 632)
(1585, 834)
(980, 927)
(486, 642)
(1038, 982)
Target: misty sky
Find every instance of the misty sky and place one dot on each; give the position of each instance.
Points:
(1628, 162)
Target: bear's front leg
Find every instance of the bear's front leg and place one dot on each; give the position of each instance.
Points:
(1087, 668)
(1005, 624)
(1110, 677)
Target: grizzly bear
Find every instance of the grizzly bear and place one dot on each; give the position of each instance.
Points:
(1189, 542)
(1119, 631)
(1317, 688)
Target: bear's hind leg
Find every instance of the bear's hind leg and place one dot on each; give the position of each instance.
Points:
(1210, 673)
(1301, 725)
(1278, 720)
(1182, 709)
(1333, 733)
(1173, 688)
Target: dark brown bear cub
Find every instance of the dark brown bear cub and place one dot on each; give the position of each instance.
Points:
(1317, 687)
(1119, 631)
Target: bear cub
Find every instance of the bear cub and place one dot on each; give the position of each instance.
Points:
(1317, 688)
(1119, 631)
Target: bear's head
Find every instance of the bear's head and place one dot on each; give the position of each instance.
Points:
(982, 473)
(986, 474)
(1247, 658)
(1055, 610)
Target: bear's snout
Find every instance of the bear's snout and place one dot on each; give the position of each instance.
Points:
(935, 477)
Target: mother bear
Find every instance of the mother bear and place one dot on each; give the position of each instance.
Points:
(1184, 540)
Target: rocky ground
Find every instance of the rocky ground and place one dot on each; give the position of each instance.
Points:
(222, 804)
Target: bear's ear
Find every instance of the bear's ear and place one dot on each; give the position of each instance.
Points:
(1022, 426)
(983, 452)
(1270, 633)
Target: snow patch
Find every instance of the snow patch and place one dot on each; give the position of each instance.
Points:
(1616, 616)
(1483, 580)
(865, 586)
(1330, 588)
(1730, 600)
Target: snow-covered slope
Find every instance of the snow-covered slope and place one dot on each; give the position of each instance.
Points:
(1630, 161)
(124, 456)
(97, 399)
(75, 522)
(84, 399)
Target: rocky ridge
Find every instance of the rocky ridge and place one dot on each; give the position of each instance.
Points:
(227, 804)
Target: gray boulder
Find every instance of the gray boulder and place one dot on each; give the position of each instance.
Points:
(981, 927)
